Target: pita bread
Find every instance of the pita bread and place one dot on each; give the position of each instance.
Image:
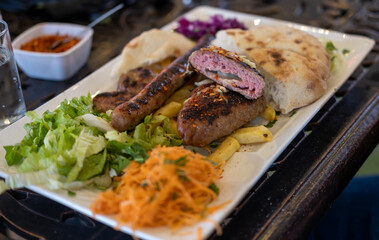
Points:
(150, 47)
(295, 64)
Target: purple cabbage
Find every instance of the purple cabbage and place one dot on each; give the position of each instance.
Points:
(196, 29)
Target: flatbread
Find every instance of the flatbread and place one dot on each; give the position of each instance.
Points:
(292, 80)
(294, 63)
(150, 47)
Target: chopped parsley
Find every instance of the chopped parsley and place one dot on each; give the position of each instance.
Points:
(334, 53)
(202, 214)
(182, 161)
(174, 196)
(71, 193)
(214, 188)
(345, 51)
(102, 188)
(330, 47)
(182, 175)
(271, 124)
(214, 144)
(152, 198)
(168, 161)
(293, 113)
(144, 184)
(157, 186)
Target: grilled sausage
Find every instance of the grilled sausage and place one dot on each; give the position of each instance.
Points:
(230, 70)
(129, 85)
(213, 112)
(135, 80)
(105, 101)
(127, 115)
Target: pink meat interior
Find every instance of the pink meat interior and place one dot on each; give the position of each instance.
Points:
(250, 83)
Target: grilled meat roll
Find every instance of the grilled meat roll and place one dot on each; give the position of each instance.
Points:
(127, 115)
(129, 85)
(213, 112)
(109, 100)
(230, 70)
(135, 80)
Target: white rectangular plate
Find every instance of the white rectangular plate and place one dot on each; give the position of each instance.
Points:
(245, 167)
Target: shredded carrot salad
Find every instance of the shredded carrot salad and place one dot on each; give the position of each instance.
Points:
(172, 188)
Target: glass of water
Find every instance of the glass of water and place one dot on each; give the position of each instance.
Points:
(12, 104)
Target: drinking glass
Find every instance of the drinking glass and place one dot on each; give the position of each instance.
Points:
(12, 104)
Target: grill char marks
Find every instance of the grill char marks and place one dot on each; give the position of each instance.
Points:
(129, 85)
(125, 117)
(230, 70)
(135, 80)
(109, 100)
(211, 113)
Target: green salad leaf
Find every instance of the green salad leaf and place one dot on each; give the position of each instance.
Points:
(73, 147)
(156, 130)
(118, 136)
(93, 166)
(334, 53)
(85, 146)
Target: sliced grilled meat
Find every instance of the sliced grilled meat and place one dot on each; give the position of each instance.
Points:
(213, 112)
(230, 70)
(128, 86)
(127, 115)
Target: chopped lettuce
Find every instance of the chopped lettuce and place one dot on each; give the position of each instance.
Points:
(130, 150)
(58, 142)
(93, 166)
(98, 122)
(77, 106)
(47, 177)
(85, 146)
(335, 56)
(156, 130)
(118, 136)
(74, 146)
(332, 51)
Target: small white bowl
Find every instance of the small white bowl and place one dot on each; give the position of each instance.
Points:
(53, 66)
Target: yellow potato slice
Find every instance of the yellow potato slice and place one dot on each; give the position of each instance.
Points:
(250, 135)
(225, 151)
(181, 95)
(269, 114)
(169, 110)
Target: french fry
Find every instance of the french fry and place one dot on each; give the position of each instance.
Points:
(174, 126)
(269, 113)
(169, 110)
(225, 151)
(249, 135)
(181, 95)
